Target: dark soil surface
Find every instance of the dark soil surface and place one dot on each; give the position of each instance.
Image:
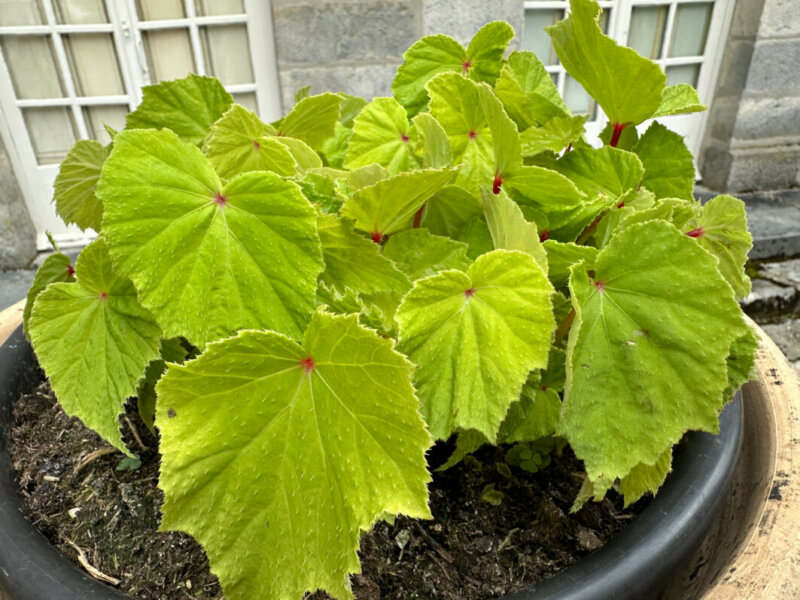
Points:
(74, 491)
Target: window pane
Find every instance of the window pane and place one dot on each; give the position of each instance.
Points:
(97, 117)
(247, 100)
(534, 38)
(80, 11)
(52, 132)
(576, 98)
(683, 74)
(32, 64)
(169, 54)
(210, 8)
(158, 10)
(227, 53)
(94, 64)
(647, 30)
(21, 12)
(690, 29)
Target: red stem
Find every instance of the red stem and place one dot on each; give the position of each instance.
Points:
(418, 216)
(618, 127)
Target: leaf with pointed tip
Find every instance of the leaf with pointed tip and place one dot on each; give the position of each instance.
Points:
(679, 99)
(561, 256)
(509, 229)
(389, 205)
(635, 206)
(722, 230)
(553, 136)
(196, 250)
(352, 261)
(335, 149)
(668, 164)
(474, 337)
(505, 137)
(533, 417)
(239, 142)
(304, 155)
(93, 340)
(607, 171)
(646, 358)
(382, 135)
(419, 254)
(486, 49)
(349, 109)
(627, 86)
(437, 152)
(56, 268)
(645, 478)
(741, 361)
(349, 302)
(75, 184)
(365, 176)
(476, 235)
(449, 209)
(312, 119)
(320, 440)
(187, 106)
(171, 350)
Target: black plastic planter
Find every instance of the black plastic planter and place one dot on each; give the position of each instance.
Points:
(638, 563)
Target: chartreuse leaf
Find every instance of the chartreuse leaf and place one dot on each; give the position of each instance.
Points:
(349, 302)
(668, 165)
(721, 229)
(476, 235)
(645, 478)
(646, 358)
(312, 120)
(741, 362)
(437, 152)
(553, 136)
(509, 229)
(93, 340)
(349, 108)
(75, 184)
(187, 106)
(171, 350)
(561, 256)
(239, 142)
(389, 205)
(449, 210)
(485, 51)
(607, 171)
(55, 268)
(382, 135)
(474, 337)
(419, 254)
(196, 250)
(352, 261)
(303, 154)
(455, 103)
(627, 86)
(679, 99)
(319, 441)
(335, 148)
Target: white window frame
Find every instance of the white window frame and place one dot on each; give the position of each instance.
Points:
(35, 180)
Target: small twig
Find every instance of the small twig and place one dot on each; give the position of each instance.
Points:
(564, 327)
(507, 540)
(92, 570)
(136, 434)
(434, 544)
(92, 456)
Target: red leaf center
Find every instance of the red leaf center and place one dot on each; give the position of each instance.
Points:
(308, 364)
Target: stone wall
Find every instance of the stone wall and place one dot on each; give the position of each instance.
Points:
(17, 235)
(753, 135)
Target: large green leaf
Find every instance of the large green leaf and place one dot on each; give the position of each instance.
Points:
(389, 205)
(196, 250)
(474, 337)
(607, 171)
(509, 229)
(561, 256)
(627, 86)
(313, 119)
(449, 209)
(239, 142)
(645, 478)
(187, 106)
(382, 135)
(420, 254)
(295, 451)
(93, 340)
(437, 152)
(647, 350)
(555, 135)
(55, 268)
(668, 164)
(75, 184)
(679, 99)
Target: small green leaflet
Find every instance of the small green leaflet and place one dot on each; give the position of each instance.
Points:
(474, 337)
(389, 205)
(312, 120)
(721, 229)
(171, 351)
(627, 86)
(352, 261)
(93, 341)
(370, 315)
(645, 478)
(382, 135)
(239, 142)
(187, 106)
(449, 209)
(436, 54)
(555, 135)
(741, 362)
(668, 164)
(55, 268)
(419, 254)
(679, 99)
(509, 229)
(303, 154)
(297, 449)
(196, 249)
(74, 187)
(349, 109)
(437, 152)
(561, 256)
(646, 358)
(335, 148)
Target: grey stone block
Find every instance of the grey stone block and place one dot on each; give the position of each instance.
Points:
(770, 168)
(746, 17)
(17, 235)
(462, 18)
(768, 117)
(787, 337)
(775, 65)
(780, 18)
(774, 221)
(786, 272)
(722, 118)
(715, 166)
(767, 299)
(322, 33)
(14, 286)
(735, 68)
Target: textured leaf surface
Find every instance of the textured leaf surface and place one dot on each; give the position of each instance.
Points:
(607, 171)
(437, 152)
(310, 455)
(645, 478)
(553, 136)
(679, 99)
(382, 135)
(627, 86)
(561, 256)
(171, 350)
(668, 164)
(93, 340)
(485, 51)
(647, 350)
(509, 229)
(313, 119)
(741, 362)
(75, 184)
(187, 106)
(196, 250)
(449, 209)
(474, 337)
(420, 254)
(55, 268)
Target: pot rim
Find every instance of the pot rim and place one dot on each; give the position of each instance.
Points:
(638, 562)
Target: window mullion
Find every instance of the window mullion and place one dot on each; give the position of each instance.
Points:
(194, 36)
(668, 33)
(125, 47)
